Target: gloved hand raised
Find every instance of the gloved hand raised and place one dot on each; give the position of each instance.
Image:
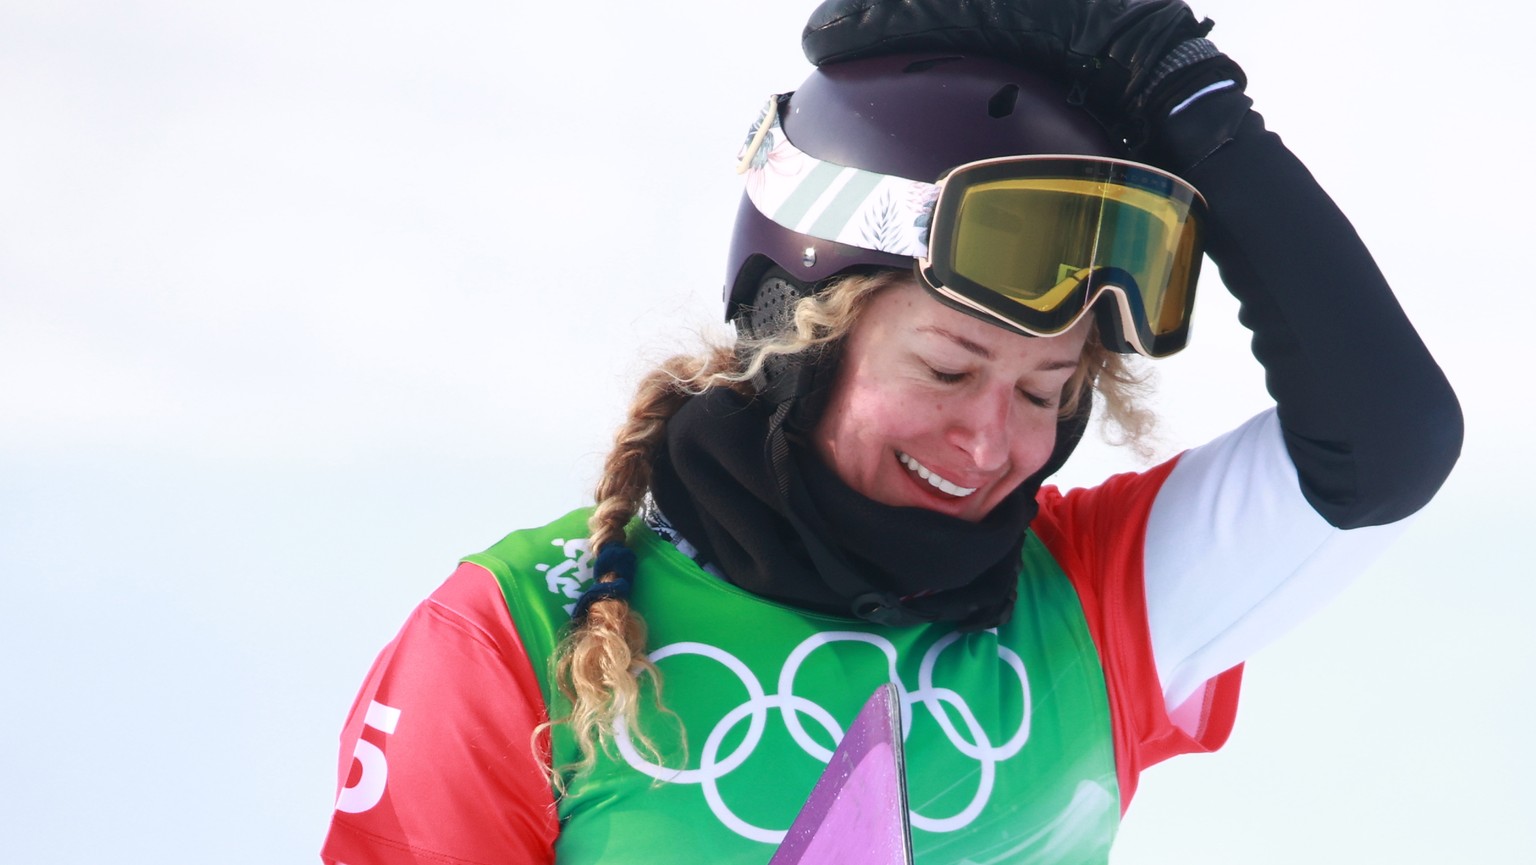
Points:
(1130, 62)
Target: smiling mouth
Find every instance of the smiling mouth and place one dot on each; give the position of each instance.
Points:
(932, 477)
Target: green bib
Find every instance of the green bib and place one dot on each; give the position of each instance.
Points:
(1009, 751)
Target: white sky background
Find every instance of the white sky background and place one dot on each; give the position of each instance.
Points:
(301, 301)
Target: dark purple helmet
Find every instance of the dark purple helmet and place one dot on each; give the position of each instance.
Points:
(913, 116)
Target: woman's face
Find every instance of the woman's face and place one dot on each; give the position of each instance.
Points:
(932, 408)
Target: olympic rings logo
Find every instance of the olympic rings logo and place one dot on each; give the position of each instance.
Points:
(713, 765)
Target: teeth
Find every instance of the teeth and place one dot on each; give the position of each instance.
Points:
(932, 477)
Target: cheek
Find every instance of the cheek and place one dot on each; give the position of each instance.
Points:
(861, 426)
(872, 422)
(1035, 442)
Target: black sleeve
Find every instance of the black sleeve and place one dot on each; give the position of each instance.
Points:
(1369, 419)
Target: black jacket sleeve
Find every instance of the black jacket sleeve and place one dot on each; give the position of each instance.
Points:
(1369, 419)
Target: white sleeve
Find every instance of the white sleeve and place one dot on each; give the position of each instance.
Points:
(1235, 556)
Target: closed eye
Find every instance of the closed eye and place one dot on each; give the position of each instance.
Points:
(946, 377)
(1037, 400)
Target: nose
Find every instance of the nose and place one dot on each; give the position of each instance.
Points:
(982, 428)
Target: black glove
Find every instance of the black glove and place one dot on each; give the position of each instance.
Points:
(1129, 62)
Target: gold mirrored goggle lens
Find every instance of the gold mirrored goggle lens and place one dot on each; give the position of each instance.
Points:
(1035, 250)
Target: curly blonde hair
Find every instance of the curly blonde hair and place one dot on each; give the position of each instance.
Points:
(599, 660)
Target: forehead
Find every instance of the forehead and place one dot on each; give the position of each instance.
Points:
(905, 316)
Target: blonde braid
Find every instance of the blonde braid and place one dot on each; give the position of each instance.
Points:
(598, 661)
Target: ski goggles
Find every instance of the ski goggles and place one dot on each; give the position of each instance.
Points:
(1031, 242)
(1036, 242)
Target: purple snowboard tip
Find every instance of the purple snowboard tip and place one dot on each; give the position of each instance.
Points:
(857, 811)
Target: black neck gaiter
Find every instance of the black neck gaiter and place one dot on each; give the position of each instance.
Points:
(780, 524)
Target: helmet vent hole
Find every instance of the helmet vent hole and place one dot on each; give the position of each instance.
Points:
(1002, 102)
(928, 63)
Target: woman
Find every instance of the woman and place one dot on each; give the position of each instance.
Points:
(852, 495)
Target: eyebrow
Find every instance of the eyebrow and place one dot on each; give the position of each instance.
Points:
(985, 353)
(975, 348)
